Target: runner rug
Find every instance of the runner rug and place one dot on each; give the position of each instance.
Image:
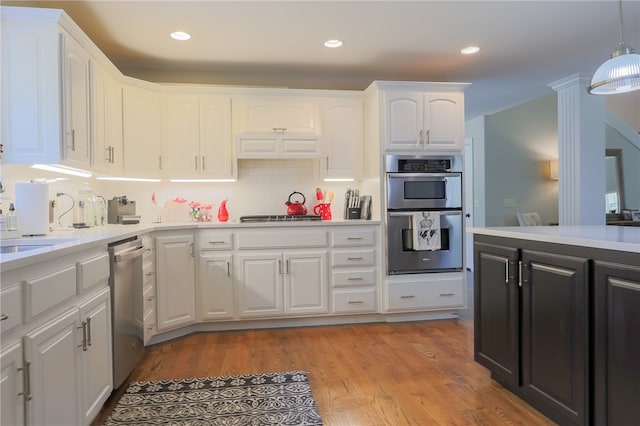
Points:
(261, 399)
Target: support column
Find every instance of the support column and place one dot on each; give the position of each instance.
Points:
(581, 152)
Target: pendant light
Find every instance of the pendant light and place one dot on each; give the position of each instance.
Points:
(621, 73)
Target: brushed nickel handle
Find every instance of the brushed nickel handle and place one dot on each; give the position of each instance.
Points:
(228, 269)
(354, 258)
(446, 294)
(203, 163)
(4, 317)
(217, 242)
(520, 273)
(84, 336)
(354, 279)
(419, 139)
(355, 302)
(88, 331)
(26, 381)
(279, 267)
(506, 272)
(195, 161)
(411, 296)
(354, 238)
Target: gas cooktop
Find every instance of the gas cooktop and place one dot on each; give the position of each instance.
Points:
(278, 218)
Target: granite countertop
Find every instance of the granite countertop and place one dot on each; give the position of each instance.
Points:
(61, 242)
(622, 238)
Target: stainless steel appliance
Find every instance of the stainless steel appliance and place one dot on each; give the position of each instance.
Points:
(420, 183)
(122, 211)
(126, 306)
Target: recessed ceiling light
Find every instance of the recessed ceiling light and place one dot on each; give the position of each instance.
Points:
(333, 43)
(180, 35)
(470, 50)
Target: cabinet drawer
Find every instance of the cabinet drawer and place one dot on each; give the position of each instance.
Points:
(354, 301)
(92, 271)
(365, 277)
(215, 240)
(274, 239)
(49, 290)
(425, 295)
(353, 258)
(353, 238)
(10, 307)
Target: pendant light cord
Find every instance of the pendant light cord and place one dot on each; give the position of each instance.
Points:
(620, 16)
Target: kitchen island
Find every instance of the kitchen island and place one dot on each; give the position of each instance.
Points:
(556, 318)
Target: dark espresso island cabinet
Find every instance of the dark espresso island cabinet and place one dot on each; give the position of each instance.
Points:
(559, 325)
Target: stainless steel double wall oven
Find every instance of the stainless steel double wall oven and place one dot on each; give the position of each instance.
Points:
(419, 183)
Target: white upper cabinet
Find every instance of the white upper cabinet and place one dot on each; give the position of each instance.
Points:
(276, 127)
(142, 130)
(282, 114)
(197, 136)
(423, 121)
(45, 96)
(343, 138)
(106, 103)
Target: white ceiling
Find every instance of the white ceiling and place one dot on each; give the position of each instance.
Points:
(525, 44)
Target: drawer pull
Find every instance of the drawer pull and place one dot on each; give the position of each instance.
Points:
(447, 294)
(354, 238)
(355, 302)
(355, 279)
(4, 317)
(217, 242)
(411, 296)
(354, 258)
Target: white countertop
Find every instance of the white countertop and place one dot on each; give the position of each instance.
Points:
(622, 238)
(72, 240)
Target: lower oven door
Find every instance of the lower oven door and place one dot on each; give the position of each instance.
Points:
(403, 259)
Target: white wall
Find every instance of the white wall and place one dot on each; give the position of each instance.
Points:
(263, 186)
(513, 175)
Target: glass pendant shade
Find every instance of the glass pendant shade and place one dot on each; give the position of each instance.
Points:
(620, 74)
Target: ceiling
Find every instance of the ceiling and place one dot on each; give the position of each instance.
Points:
(525, 45)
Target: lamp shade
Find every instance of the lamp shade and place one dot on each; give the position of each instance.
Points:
(620, 74)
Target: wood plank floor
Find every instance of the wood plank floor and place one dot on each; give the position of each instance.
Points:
(413, 373)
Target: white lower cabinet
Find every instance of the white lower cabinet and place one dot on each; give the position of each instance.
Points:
(97, 378)
(67, 367)
(175, 280)
(282, 283)
(11, 391)
(215, 286)
(52, 363)
(423, 292)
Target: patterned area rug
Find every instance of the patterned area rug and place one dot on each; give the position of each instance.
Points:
(262, 399)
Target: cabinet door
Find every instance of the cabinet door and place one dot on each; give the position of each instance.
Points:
(496, 326)
(182, 136)
(52, 357)
(404, 121)
(31, 99)
(259, 114)
(142, 130)
(97, 374)
(216, 145)
(77, 104)
(260, 285)
(175, 281)
(107, 121)
(11, 374)
(444, 120)
(343, 138)
(616, 346)
(555, 343)
(306, 285)
(215, 286)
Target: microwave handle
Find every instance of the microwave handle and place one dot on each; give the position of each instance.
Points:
(425, 176)
(442, 213)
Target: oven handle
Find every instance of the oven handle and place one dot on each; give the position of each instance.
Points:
(442, 213)
(425, 175)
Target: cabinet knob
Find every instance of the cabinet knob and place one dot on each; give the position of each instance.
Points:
(4, 317)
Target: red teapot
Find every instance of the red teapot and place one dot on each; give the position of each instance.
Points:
(296, 208)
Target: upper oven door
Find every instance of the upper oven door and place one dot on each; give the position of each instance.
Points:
(424, 191)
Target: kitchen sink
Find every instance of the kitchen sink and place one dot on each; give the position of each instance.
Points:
(18, 245)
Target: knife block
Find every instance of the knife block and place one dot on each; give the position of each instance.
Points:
(353, 213)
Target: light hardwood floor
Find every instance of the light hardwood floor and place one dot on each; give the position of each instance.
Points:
(413, 373)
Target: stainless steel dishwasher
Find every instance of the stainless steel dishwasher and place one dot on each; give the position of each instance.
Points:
(126, 305)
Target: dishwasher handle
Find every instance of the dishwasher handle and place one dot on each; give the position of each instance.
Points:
(128, 255)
